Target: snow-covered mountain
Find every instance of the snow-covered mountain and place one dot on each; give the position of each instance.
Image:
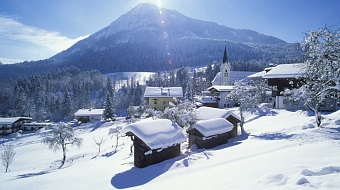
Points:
(149, 38)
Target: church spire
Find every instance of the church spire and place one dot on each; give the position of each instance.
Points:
(225, 58)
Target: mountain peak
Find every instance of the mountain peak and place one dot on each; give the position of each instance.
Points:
(145, 39)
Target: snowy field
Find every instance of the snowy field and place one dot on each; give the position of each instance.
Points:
(280, 150)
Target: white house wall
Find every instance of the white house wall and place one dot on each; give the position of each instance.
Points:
(283, 103)
(224, 101)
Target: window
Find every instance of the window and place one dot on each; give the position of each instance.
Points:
(155, 102)
(285, 101)
(164, 102)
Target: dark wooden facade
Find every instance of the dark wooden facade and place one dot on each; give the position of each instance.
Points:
(84, 119)
(233, 120)
(210, 104)
(195, 137)
(144, 156)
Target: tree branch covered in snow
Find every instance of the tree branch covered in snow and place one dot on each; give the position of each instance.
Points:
(246, 95)
(322, 76)
(62, 135)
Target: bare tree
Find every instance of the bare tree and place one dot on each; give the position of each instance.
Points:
(62, 135)
(99, 144)
(116, 132)
(7, 156)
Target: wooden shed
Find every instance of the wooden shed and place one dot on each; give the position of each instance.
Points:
(209, 133)
(154, 141)
(206, 113)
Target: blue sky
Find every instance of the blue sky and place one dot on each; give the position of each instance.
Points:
(38, 29)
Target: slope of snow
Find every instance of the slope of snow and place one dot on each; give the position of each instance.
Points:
(280, 150)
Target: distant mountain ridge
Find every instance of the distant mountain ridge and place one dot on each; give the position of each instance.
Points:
(149, 38)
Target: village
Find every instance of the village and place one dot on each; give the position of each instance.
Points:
(209, 121)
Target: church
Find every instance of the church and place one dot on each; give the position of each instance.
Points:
(221, 85)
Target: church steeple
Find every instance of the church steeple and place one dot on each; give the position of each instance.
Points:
(225, 57)
(225, 69)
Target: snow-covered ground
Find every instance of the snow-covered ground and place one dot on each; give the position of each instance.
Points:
(280, 150)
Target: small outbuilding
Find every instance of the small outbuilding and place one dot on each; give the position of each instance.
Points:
(209, 133)
(154, 141)
(86, 115)
(206, 113)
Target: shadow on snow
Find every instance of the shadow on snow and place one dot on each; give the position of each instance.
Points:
(140, 176)
(274, 136)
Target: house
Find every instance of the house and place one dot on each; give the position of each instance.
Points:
(34, 126)
(154, 141)
(290, 76)
(206, 99)
(209, 133)
(86, 115)
(207, 113)
(11, 124)
(160, 97)
(220, 93)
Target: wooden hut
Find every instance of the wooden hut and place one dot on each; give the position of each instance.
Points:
(154, 141)
(209, 133)
(206, 113)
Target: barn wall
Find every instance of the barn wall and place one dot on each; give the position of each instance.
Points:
(155, 156)
(195, 137)
(214, 141)
(233, 132)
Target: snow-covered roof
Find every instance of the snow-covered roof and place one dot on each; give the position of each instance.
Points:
(160, 133)
(89, 112)
(222, 88)
(10, 120)
(213, 126)
(257, 75)
(163, 92)
(217, 78)
(286, 71)
(206, 113)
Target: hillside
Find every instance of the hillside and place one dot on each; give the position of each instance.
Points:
(281, 150)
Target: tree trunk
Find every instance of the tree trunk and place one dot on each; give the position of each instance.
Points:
(318, 114)
(242, 120)
(64, 155)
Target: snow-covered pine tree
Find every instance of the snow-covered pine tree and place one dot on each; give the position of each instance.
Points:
(108, 111)
(67, 105)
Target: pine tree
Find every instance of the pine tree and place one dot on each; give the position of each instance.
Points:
(108, 111)
(67, 105)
